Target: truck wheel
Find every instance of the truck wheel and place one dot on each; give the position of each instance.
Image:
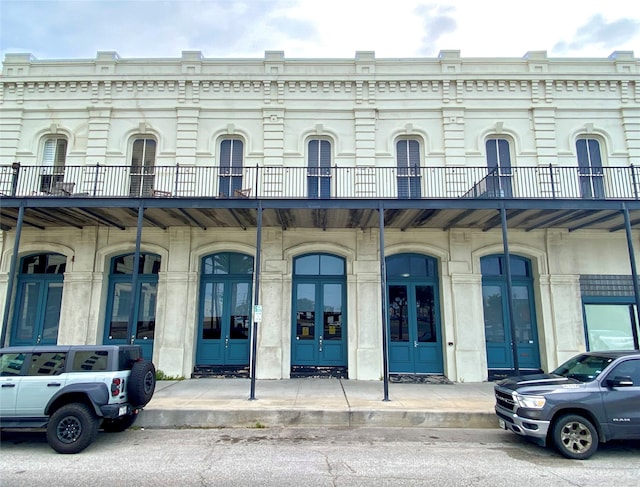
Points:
(575, 437)
(142, 383)
(72, 428)
(120, 424)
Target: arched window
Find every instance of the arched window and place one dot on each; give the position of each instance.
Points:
(231, 167)
(590, 167)
(54, 157)
(319, 168)
(143, 161)
(408, 163)
(499, 165)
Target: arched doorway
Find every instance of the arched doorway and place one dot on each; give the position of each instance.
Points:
(38, 300)
(415, 343)
(225, 310)
(119, 302)
(497, 322)
(319, 335)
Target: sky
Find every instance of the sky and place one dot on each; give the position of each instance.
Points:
(78, 29)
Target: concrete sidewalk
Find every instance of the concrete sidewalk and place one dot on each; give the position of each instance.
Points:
(224, 403)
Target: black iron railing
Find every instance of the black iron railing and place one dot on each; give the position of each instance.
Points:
(190, 181)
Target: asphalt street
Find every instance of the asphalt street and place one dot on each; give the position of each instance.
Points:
(311, 457)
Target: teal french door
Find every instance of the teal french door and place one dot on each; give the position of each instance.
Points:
(415, 343)
(319, 338)
(117, 329)
(225, 310)
(38, 300)
(225, 324)
(414, 333)
(499, 338)
(319, 335)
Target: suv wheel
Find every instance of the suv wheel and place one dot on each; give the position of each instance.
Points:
(120, 424)
(72, 428)
(575, 437)
(142, 383)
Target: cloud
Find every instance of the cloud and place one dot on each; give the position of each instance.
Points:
(437, 20)
(598, 33)
(146, 28)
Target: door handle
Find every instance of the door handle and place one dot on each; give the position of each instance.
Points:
(38, 339)
(320, 349)
(8, 385)
(226, 341)
(133, 337)
(415, 343)
(53, 384)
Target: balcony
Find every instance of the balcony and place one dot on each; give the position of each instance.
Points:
(279, 182)
(425, 197)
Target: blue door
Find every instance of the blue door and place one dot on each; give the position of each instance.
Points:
(117, 329)
(319, 318)
(498, 334)
(225, 309)
(415, 344)
(38, 300)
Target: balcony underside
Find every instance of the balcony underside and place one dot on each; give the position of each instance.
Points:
(162, 213)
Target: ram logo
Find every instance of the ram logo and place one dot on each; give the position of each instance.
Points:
(621, 420)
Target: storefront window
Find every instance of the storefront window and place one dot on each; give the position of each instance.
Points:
(610, 326)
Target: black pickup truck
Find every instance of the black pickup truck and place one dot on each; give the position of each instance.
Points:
(593, 397)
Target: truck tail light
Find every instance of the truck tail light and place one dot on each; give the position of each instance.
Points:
(116, 386)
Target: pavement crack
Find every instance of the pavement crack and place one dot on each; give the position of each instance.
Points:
(344, 393)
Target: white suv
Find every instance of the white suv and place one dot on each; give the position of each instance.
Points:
(72, 390)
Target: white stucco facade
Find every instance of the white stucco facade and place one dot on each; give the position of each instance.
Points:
(363, 106)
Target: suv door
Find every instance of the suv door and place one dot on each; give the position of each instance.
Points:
(44, 377)
(621, 402)
(11, 366)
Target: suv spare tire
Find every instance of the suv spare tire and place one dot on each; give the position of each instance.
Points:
(142, 383)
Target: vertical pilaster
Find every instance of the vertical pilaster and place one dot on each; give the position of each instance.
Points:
(98, 137)
(365, 130)
(174, 326)
(187, 135)
(454, 147)
(273, 133)
(10, 129)
(453, 123)
(631, 126)
(544, 127)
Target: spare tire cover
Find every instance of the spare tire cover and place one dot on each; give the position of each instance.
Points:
(142, 383)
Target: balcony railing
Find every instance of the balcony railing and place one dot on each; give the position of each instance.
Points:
(190, 181)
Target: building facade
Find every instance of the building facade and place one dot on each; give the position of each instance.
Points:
(455, 216)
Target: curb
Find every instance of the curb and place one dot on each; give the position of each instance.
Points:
(269, 418)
